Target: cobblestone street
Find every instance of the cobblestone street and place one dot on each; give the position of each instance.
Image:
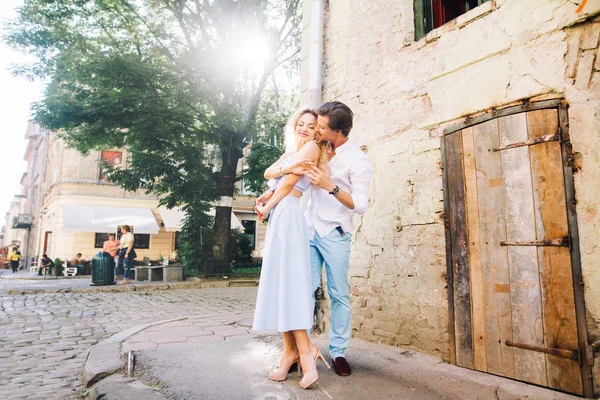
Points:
(44, 338)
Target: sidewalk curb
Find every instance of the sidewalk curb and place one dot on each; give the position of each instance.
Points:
(106, 359)
(142, 287)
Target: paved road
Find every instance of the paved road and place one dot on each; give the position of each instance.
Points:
(44, 338)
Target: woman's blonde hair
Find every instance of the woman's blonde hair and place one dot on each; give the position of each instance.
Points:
(290, 137)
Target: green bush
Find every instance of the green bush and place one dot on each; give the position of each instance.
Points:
(241, 247)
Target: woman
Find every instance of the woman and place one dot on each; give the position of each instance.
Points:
(15, 257)
(284, 301)
(111, 246)
(127, 253)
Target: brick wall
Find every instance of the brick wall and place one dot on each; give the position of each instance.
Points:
(404, 93)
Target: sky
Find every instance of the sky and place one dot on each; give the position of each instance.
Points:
(16, 96)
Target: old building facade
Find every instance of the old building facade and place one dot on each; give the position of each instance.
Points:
(73, 207)
(469, 122)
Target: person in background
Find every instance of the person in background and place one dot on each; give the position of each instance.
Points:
(47, 265)
(127, 252)
(15, 257)
(111, 246)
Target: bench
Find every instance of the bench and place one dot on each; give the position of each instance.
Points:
(149, 273)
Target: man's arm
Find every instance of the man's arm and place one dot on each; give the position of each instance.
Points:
(360, 178)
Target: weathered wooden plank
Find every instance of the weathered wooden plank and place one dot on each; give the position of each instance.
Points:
(567, 157)
(525, 295)
(560, 325)
(494, 258)
(460, 257)
(448, 239)
(477, 288)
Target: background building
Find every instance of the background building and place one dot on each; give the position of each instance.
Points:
(73, 207)
(505, 96)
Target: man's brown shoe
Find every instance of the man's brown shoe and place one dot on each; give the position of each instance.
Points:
(341, 366)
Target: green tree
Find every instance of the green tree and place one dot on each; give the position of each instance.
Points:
(173, 81)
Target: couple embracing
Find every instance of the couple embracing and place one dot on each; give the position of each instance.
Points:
(297, 246)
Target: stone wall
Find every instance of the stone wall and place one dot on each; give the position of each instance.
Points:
(404, 93)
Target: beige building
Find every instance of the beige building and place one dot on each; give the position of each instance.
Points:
(13, 237)
(74, 208)
(484, 116)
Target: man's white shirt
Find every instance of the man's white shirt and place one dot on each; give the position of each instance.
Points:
(351, 170)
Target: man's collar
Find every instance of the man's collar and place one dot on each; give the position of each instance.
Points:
(342, 147)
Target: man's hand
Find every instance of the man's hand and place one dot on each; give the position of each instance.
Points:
(263, 198)
(320, 177)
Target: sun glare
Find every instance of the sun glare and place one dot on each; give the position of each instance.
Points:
(254, 53)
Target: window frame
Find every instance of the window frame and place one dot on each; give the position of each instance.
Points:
(434, 14)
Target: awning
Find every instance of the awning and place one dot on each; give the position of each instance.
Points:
(172, 219)
(102, 219)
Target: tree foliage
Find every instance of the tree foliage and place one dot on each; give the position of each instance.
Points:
(172, 81)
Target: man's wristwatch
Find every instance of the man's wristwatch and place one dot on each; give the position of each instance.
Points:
(335, 190)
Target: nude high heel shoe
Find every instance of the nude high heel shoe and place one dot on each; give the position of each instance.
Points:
(309, 365)
(280, 374)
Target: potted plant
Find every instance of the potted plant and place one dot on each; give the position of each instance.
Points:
(58, 267)
(163, 260)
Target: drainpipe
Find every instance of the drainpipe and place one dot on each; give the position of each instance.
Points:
(315, 67)
(314, 100)
(315, 54)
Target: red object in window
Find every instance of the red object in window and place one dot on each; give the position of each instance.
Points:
(114, 158)
(446, 10)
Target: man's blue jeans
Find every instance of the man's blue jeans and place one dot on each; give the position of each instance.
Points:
(334, 251)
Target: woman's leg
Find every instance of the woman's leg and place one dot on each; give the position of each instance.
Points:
(116, 267)
(289, 356)
(127, 268)
(308, 358)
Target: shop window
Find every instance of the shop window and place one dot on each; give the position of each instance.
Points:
(114, 158)
(250, 229)
(100, 239)
(431, 14)
(141, 241)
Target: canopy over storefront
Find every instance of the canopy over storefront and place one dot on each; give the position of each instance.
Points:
(172, 219)
(106, 219)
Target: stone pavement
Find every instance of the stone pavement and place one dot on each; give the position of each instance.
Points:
(219, 357)
(45, 337)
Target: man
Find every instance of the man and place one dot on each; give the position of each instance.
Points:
(47, 265)
(77, 262)
(342, 190)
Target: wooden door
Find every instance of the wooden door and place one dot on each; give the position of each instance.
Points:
(516, 303)
(48, 243)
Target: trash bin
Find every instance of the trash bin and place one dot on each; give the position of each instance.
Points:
(102, 270)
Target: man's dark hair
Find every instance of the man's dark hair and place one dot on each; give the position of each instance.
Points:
(111, 234)
(79, 254)
(45, 255)
(340, 116)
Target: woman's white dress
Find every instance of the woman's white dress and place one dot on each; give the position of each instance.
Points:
(284, 301)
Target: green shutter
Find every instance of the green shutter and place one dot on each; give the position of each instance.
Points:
(423, 18)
